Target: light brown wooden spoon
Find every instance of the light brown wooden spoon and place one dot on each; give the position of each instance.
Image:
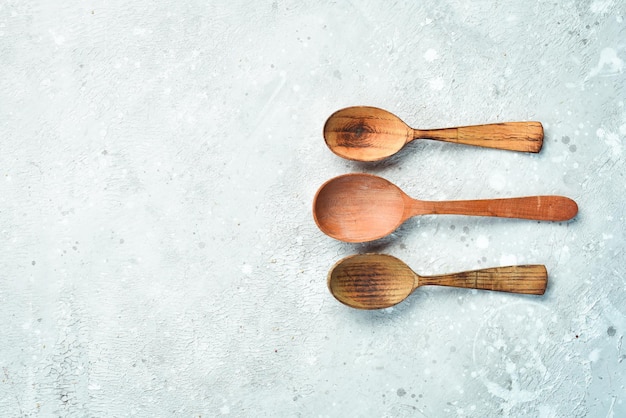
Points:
(363, 207)
(363, 133)
(375, 281)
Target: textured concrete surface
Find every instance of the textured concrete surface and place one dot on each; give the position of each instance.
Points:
(158, 161)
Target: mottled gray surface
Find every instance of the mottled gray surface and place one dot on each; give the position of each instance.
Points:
(158, 163)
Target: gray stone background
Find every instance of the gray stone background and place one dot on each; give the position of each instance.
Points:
(158, 161)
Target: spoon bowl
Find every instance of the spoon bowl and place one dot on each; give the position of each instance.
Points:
(376, 281)
(359, 207)
(364, 133)
(362, 207)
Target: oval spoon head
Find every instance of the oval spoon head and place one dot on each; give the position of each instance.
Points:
(371, 281)
(363, 133)
(358, 207)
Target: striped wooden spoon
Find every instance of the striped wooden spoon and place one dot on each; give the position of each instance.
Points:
(376, 281)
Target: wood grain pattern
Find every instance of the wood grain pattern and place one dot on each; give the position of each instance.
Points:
(528, 279)
(375, 281)
(362, 207)
(371, 281)
(513, 136)
(364, 133)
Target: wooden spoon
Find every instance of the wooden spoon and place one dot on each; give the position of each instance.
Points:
(364, 133)
(363, 207)
(375, 281)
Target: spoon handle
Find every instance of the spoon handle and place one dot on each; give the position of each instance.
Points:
(527, 279)
(513, 136)
(540, 208)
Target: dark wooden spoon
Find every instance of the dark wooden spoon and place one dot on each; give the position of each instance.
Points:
(363, 133)
(375, 281)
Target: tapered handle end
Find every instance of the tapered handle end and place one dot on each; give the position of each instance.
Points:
(570, 209)
(528, 279)
(550, 208)
(534, 139)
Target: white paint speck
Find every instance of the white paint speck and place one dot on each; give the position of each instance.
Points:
(431, 55)
(482, 241)
(601, 6)
(140, 31)
(564, 254)
(508, 260)
(609, 64)
(225, 410)
(612, 140)
(246, 269)
(497, 182)
(58, 39)
(436, 83)
(510, 367)
(594, 355)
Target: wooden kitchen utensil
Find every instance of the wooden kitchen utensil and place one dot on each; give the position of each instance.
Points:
(375, 281)
(363, 207)
(365, 133)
